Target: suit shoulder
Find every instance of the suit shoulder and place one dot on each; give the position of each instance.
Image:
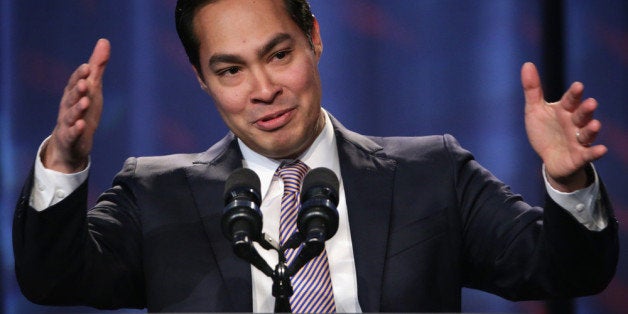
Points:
(157, 165)
(166, 162)
(419, 147)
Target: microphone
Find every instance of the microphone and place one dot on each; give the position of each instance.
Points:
(317, 220)
(242, 218)
(318, 217)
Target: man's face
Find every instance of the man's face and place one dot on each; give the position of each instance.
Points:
(262, 73)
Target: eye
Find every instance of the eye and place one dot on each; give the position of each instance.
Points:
(282, 54)
(228, 71)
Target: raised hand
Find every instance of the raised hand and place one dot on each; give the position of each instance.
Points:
(79, 114)
(561, 132)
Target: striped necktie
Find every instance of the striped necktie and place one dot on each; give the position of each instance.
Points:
(313, 291)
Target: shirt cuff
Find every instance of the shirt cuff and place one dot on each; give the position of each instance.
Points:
(584, 204)
(49, 186)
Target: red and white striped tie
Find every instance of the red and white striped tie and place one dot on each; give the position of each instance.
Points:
(313, 292)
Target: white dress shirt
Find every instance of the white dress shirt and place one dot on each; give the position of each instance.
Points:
(50, 187)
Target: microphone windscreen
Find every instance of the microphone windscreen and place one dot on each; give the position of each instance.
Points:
(242, 178)
(319, 179)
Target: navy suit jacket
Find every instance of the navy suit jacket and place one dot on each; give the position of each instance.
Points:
(426, 219)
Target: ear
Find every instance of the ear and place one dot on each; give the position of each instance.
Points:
(200, 79)
(317, 42)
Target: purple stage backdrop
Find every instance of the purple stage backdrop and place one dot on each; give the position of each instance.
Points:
(410, 67)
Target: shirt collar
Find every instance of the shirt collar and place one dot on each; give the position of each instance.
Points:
(322, 153)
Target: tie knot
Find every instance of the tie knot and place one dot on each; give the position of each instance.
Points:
(292, 174)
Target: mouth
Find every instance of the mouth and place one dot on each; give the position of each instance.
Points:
(275, 120)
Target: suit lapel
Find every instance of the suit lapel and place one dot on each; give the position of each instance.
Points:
(207, 178)
(368, 177)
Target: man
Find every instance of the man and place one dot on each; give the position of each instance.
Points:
(419, 218)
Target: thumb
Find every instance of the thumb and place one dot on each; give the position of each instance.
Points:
(531, 83)
(99, 58)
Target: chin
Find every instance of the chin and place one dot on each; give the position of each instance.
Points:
(284, 145)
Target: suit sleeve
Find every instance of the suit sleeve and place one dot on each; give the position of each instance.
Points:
(66, 255)
(522, 252)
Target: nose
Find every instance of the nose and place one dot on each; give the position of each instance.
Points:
(265, 89)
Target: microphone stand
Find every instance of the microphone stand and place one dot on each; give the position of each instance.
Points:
(282, 286)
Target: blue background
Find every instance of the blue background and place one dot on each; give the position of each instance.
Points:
(411, 67)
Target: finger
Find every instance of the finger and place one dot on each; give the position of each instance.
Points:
(594, 153)
(80, 73)
(531, 83)
(80, 89)
(572, 97)
(584, 113)
(75, 112)
(589, 133)
(76, 86)
(76, 130)
(99, 58)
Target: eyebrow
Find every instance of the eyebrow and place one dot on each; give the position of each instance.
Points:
(268, 47)
(278, 39)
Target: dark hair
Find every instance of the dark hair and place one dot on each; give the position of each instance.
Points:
(185, 11)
